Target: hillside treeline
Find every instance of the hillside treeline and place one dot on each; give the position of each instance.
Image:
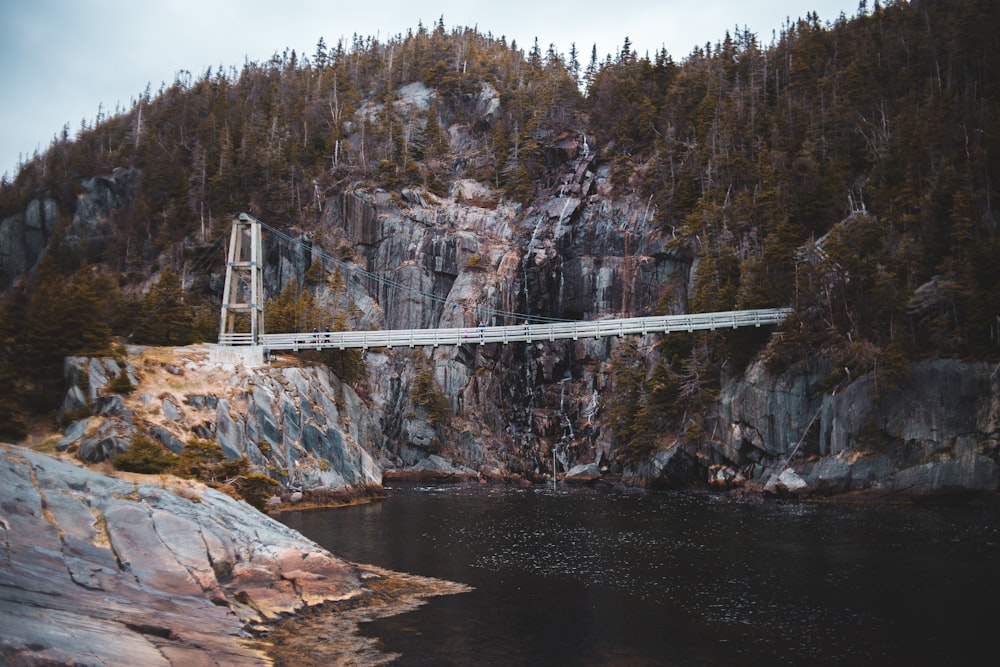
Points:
(847, 167)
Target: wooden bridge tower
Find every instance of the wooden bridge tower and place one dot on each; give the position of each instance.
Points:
(243, 291)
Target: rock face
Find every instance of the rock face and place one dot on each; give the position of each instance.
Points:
(24, 236)
(938, 435)
(582, 250)
(97, 570)
(453, 262)
(471, 257)
(300, 425)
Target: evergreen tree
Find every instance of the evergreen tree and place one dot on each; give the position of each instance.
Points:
(628, 409)
(13, 416)
(347, 364)
(426, 395)
(61, 319)
(167, 319)
(145, 455)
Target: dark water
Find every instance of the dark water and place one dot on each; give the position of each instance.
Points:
(619, 578)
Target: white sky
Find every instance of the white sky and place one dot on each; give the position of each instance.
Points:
(61, 60)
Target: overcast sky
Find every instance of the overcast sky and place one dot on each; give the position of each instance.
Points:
(63, 60)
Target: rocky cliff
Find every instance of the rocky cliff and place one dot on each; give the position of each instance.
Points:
(24, 236)
(584, 249)
(451, 262)
(412, 260)
(937, 435)
(301, 426)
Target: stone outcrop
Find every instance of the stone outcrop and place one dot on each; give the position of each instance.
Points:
(433, 469)
(97, 207)
(153, 571)
(583, 473)
(937, 435)
(299, 425)
(675, 466)
(24, 236)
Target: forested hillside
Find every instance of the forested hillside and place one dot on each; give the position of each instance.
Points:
(847, 168)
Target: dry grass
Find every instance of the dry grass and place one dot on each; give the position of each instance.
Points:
(192, 374)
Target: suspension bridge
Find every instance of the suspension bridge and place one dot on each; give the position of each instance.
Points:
(243, 300)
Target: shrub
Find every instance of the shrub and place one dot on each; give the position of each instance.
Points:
(145, 455)
(120, 384)
(204, 460)
(475, 263)
(256, 489)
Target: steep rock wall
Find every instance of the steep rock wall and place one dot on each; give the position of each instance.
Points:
(937, 434)
(469, 258)
(24, 236)
(411, 259)
(301, 426)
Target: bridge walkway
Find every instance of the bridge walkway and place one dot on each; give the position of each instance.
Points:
(661, 324)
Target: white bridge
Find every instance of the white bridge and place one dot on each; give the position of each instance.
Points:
(662, 324)
(243, 301)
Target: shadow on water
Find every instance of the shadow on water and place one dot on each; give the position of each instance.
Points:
(637, 578)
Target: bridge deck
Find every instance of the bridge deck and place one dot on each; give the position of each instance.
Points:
(511, 334)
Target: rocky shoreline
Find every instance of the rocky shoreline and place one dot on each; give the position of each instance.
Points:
(155, 570)
(326, 634)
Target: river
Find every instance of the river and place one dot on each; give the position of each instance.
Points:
(609, 577)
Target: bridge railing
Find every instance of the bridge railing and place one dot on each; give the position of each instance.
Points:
(512, 333)
(236, 339)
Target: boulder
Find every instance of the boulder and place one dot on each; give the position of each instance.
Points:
(434, 468)
(73, 433)
(790, 482)
(112, 405)
(75, 403)
(168, 439)
(583, 473)
(170, 410)
(110, 439)
(724, 478)
(671, 467)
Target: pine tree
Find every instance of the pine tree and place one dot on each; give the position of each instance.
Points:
(13, 416)
(62, 319)
(628, 407)
(167, 318)
(426, 395)
(347, 364)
